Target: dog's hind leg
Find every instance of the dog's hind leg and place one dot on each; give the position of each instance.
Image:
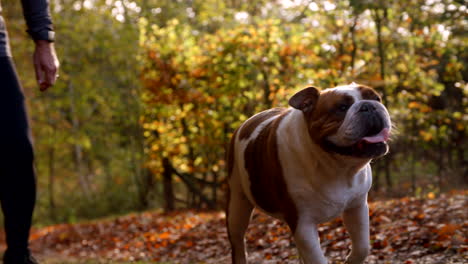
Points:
(238, 215)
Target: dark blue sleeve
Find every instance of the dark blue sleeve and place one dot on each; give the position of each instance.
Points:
(38, 20)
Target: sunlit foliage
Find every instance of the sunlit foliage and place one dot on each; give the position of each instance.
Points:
(149, 88)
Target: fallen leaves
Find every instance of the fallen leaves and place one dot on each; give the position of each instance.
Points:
(420, 227)
(406, 230)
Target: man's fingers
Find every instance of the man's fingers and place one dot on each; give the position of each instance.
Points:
(44, 81)
(39, 73)
(49, 77)
(51, 74)
(43, 87)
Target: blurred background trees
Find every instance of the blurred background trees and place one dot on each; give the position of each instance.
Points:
(150, 92)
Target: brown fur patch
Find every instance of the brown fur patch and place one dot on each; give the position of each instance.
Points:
(327, 118)
(251, 124)
(368, 93)
(267, 181)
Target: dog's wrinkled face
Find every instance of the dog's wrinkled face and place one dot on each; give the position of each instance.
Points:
(348, 120)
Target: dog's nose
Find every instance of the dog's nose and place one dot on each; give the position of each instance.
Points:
(367, 107)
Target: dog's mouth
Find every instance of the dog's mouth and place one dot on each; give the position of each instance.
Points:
(380, 137)
(370, 146)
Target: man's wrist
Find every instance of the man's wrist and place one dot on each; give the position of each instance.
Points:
(46, 35)
(42, 43)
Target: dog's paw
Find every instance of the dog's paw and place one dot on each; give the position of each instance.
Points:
(356, 258)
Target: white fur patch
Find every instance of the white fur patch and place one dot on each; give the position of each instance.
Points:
(351, 90)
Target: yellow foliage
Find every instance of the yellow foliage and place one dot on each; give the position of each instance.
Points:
(457, 115)
(425, 135)
(413, 105)
(431, 195)
(155, 147)
(425, 109)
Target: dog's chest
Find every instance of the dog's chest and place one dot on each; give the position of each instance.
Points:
(328, 201)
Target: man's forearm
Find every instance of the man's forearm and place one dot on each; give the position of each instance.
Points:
(38, 19)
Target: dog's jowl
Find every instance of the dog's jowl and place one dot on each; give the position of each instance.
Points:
(308, 164)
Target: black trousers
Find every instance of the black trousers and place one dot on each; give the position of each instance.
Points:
(17, 177)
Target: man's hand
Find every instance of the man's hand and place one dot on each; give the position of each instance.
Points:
(46, 64)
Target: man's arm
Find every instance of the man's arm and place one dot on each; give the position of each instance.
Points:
(39, 22)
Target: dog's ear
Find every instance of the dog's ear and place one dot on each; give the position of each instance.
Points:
(305, 99)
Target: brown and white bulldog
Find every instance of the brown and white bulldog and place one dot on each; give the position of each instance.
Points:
(307, 164)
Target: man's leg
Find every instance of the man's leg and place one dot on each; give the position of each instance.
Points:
(17, 178)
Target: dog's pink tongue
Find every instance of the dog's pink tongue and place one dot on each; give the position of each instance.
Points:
(382, 136)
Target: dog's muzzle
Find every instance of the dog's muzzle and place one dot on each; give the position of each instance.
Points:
(364, 132)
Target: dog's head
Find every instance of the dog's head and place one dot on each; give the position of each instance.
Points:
(349, 120)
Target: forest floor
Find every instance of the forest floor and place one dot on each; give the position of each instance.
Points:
(432, 230)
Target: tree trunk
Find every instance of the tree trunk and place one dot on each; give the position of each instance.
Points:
(52, 205)
(168, 186)
(381, 51)
(377, 177)
(215, 188)
(77, 150)
(440, 157)
(266, 89)
(388, 175)
(413, 155)
(353, 40)
(463, 164)
(379, 19)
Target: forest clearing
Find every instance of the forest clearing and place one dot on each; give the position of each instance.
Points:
(130, 142)
(432, 230)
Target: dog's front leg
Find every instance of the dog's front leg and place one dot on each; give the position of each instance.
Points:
(308, 244)
(356, 221)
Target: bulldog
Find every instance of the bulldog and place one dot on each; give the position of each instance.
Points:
(306, 165)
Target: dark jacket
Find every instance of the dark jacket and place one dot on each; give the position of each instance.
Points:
(38, 21)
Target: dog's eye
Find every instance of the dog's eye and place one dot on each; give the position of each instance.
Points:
(343, 107)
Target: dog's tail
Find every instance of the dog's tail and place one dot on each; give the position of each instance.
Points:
(230, 160)
(230, 154)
